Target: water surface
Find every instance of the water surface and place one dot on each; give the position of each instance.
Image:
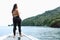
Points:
(42, 33)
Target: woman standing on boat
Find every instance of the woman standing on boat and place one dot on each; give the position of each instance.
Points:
(16, 20)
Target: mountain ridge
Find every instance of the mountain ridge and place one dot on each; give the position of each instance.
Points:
(43, 19)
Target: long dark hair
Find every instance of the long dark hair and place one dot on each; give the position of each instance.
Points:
(14, 7)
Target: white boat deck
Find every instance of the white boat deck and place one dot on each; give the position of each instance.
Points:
(24, 37)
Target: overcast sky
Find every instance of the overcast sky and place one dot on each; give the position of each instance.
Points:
(27, 8)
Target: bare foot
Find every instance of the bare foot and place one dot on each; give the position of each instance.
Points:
(13, 36)
(21, 35)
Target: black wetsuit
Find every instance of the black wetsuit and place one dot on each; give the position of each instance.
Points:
(17, 22)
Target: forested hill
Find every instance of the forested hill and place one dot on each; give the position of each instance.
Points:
(48, 18)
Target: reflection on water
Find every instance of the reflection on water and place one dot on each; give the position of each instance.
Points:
(42, 33)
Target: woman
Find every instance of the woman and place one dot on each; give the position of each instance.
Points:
(16, 20)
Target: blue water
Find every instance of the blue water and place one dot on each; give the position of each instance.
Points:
(5, 30)
(42, 33)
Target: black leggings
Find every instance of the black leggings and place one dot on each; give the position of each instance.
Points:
(16, 22)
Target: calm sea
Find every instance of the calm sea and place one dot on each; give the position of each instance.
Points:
(41, 32)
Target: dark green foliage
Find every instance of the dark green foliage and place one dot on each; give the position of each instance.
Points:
(46, 18)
